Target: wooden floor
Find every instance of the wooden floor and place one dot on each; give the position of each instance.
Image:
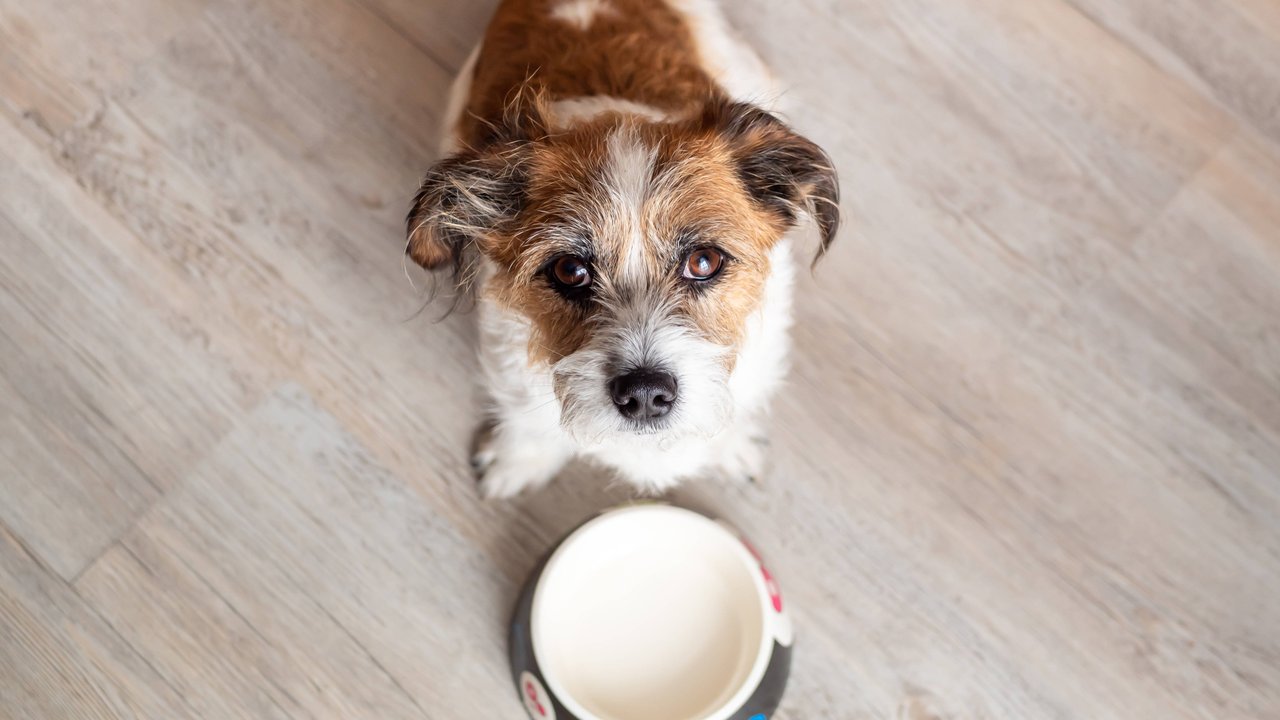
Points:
(1028, 464)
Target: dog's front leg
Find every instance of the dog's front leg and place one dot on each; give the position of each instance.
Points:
(511, 454)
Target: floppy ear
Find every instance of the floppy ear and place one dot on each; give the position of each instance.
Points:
(784, 172)
(476, 191)
(462, 198)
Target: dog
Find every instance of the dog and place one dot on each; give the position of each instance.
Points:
(621, 203)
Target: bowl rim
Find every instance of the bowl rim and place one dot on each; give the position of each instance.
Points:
(751, 564)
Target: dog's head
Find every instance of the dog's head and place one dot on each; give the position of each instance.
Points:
(637, 250)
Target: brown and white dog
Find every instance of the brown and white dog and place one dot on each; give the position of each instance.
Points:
(620, 203)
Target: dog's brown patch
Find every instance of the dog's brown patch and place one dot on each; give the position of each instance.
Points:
(639, 50)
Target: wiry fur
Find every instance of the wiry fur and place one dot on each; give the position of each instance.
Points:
(632, 179)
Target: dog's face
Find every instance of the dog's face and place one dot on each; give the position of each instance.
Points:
(637, 250)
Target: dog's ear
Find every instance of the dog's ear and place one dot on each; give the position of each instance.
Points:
(786, 173)
(463, 198)
(475, 192)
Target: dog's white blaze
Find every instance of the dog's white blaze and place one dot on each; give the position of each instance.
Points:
(628, 174)
(576, 109)
(580, 13)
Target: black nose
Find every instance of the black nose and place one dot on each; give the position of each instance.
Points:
(643, 394)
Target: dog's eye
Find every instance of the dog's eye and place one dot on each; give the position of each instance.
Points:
(703, 264)
(570, 271)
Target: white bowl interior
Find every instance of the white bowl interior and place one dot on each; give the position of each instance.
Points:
(649, 613)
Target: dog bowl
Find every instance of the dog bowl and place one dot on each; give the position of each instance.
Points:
(651, 612)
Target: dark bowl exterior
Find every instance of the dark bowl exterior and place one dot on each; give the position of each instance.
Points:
(530, 684)
(541, 704)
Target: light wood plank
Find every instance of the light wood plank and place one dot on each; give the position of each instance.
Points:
(1228, 51)
(107, 424)
(446, 32)
(60, 660)
(249, 586)
(59, 61)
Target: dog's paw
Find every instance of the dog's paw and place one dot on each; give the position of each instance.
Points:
(506, 465)
(502, 480)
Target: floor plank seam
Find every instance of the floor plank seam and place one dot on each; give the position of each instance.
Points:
(29, 551)
(234, 610)
(120, 637)
(395, 27)
(369, 654)
(115, 542)
(1202, 88)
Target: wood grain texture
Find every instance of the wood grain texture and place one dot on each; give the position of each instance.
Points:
(99, 427)
(254, 558)
(60, 659)
(1228, 51)
(1027, 465)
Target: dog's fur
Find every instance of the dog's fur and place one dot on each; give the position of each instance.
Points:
(628, 133)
